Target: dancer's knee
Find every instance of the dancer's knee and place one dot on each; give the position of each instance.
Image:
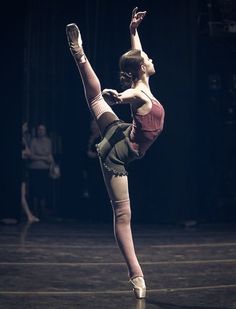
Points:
(123, 216)
(122, 211)
(99, 106)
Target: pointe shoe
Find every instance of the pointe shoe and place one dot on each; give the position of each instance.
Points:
(74, 40)
(139, 287)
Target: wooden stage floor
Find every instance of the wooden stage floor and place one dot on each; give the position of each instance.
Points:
(71, 265)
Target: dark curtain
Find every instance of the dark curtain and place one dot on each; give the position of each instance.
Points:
(217, 105)
(12, 81)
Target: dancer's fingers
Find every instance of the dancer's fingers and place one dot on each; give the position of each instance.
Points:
(134, 11)
(141, 15)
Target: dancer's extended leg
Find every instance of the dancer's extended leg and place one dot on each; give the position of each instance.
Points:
(101, 111)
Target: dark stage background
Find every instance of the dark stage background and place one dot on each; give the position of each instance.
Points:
(189, 173)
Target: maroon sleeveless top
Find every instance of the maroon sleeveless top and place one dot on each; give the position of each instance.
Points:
(146, 128)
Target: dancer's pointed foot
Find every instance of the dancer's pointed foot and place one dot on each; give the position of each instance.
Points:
(73, 35)
(139, 287)
(74, 40)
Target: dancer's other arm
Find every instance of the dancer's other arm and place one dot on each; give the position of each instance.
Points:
(129, 96)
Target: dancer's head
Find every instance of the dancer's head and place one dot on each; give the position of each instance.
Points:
(133, 65)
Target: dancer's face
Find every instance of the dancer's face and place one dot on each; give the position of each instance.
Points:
(150, 70)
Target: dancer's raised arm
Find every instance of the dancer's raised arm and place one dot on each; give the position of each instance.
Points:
(136, 19)
(129, 73)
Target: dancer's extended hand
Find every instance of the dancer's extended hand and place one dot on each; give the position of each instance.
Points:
(111, 96)
(136, 18)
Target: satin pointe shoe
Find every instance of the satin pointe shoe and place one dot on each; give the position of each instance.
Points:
(139, 287)
(73, 35)
(74, 40)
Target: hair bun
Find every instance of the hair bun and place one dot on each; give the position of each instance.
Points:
(126, 79)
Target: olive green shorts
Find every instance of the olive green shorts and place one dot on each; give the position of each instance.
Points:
(115, 149)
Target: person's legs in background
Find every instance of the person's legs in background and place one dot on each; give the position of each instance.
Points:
(30, 217)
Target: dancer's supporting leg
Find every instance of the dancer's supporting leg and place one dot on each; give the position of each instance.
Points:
(117, 187)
